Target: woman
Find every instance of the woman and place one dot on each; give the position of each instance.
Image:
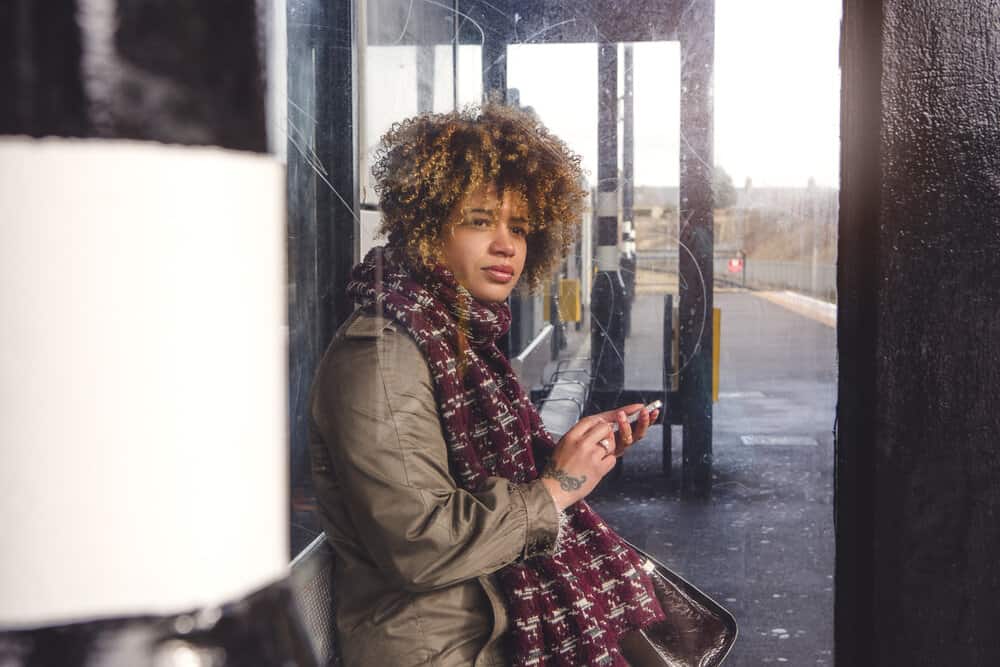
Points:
(459, 527)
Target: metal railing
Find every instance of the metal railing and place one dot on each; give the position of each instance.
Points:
(819, 280)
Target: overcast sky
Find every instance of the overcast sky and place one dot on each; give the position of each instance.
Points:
(777, 93)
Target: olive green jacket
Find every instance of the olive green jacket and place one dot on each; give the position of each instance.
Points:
(416, 555)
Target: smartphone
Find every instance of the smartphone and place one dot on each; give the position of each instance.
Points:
(632, 418)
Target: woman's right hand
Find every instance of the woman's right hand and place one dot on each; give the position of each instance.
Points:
(580, 461)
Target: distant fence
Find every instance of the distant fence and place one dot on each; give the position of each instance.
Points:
(819, 280)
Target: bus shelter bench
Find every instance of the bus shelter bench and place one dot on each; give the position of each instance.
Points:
(311, 580)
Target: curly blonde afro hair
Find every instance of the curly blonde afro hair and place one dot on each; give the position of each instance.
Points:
(427, 164)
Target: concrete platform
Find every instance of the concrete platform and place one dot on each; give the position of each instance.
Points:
(763, 544)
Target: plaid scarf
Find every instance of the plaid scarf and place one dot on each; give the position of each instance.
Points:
(565, 609)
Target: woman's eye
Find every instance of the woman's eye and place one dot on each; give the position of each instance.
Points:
(520, 231)
(479, 222)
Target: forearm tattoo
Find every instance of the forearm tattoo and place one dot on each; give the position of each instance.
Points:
(566, 482)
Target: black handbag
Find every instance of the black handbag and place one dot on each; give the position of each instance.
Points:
(698, 631)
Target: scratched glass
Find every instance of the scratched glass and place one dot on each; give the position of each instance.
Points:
(710, 137)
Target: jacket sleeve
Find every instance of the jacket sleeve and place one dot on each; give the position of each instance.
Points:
(374, 408)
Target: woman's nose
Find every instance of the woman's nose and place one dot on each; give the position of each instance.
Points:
(503, 240)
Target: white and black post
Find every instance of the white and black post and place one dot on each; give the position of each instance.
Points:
(143, 339)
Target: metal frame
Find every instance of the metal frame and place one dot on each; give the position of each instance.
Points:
(322, 207)
(493, 25)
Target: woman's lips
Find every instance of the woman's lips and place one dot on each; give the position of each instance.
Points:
(499, 273)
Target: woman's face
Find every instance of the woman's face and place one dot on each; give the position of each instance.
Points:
(485, 244)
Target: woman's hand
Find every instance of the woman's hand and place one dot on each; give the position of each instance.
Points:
(629, 434)
(583, 456)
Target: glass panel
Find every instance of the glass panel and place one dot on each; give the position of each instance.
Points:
(389, 95)
(559, 83)
(393, 76)
(405, 61)
(656, 200)
(763, 544)
(544, 78)
(713, 181)
(470, 76)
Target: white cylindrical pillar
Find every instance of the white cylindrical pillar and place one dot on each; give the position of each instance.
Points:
(143, 455)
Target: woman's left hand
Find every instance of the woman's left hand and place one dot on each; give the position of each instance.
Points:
(629, 434)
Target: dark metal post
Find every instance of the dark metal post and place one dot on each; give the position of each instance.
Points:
(628, 259)
(860, 288)
(668, 378)
(425, 78)
(494, 67)
(607, 332)
(555, 318)
(206, 90)
(628, 139)
(321, 216)
(697, 239)
(494, 73)
(41, 73)
(335, 221)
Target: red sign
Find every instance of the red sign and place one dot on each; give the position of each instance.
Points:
(735, 265)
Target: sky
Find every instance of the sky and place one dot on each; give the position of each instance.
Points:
(776, 95)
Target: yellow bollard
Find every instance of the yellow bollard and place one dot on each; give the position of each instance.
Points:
(716, 347)
(569, 300)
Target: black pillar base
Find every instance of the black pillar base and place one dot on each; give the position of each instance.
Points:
(628, 267)
(607, 332)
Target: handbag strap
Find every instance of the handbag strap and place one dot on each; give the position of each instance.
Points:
(698, 631)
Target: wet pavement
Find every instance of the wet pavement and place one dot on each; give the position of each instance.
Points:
(763, 543)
